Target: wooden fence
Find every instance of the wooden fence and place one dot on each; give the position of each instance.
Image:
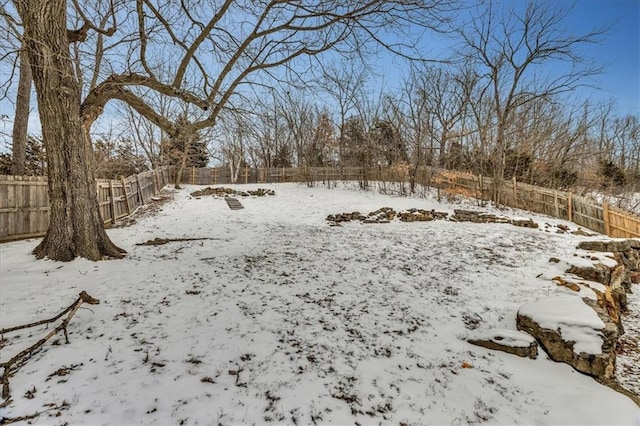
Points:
(24, 201)
(602, 218)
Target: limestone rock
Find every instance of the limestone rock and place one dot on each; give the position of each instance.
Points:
(597, 272)
(609, 245)
(510, 341)
(525, 223)
(573, 330)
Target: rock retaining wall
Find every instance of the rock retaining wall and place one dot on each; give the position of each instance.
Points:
(581, 322)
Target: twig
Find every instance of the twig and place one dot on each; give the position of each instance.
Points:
(9, 420)
(25, 354)
(161, 241)
(36, 323)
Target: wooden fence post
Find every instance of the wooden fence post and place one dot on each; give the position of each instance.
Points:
(113, 203)
(99, 199)
(154, 179)
(193, 175)
(555, 203)
(126, 196)
(140, 194)
(246, 175)
(605, 216)
(570, 206)
(215, 176)
(515, 193)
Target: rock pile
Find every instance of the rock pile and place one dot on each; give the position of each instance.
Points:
(229, 192)
(510, 341)
(386, 215)
(581, 322)
(420, 215)
(345, 217)
(483, 217)
(261, 192)
(382, 215)
(477, 217)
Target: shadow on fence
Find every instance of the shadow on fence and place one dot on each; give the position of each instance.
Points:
(24, 202)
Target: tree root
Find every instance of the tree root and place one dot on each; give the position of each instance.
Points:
(13, 365)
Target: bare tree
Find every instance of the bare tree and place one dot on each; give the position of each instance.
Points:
(299, 115)
(15, 52)
(270, 126)
(234, 143)
(344, 82)
(217, 55)
(21, 120)
(75, 226)
(510, 48)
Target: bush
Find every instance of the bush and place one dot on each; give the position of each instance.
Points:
(613, 175)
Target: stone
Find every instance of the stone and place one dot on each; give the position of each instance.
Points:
(525, 223)
(564, 283)
(596, 272)
(606, 246)
(439, 215)
(562, 349)
(509, 341)
(580, 232)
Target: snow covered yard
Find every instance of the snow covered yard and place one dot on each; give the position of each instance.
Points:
(279, 317)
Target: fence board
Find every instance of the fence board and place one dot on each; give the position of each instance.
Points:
(24, 206)
(24, 210)
(24, 202)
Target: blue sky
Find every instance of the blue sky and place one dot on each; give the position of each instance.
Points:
(619, 53)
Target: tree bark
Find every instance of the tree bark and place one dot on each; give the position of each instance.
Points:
(75, 225)
(21, 119)
(181, 166)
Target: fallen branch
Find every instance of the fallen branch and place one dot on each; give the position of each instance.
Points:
(11, 367)
(161, 241)
(9, 420)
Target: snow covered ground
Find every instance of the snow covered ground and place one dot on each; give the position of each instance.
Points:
(628, 201)
(279, 317)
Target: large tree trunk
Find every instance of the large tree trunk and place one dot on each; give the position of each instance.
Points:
(75, 227)
(21, 119)
(181, 166)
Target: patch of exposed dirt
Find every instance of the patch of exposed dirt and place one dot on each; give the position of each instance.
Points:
(151, 208)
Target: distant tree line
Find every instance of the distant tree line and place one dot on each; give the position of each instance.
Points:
(288, 83)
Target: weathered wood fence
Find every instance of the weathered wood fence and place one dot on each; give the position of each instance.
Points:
(602, 218)
(24, 200)
(24, 203)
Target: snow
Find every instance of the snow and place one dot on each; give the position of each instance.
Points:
(629, 201)
(585, 258)
(628, 359)
(586, 287)
(567, 313)
(506, 337)
(279, 317)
